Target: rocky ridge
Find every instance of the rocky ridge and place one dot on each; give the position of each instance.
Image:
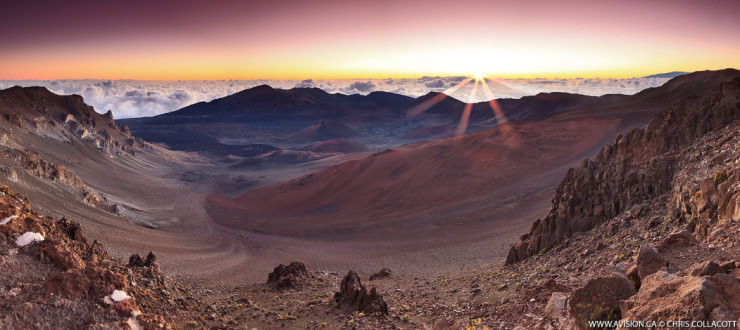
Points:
(65, 117)
(58, 174)
(639, 166)
(58, 279)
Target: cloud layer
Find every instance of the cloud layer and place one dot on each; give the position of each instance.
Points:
(139, 98)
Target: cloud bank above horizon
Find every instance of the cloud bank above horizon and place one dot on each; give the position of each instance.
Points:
(144, 98)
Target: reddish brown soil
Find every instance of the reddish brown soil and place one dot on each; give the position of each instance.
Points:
(414, 191)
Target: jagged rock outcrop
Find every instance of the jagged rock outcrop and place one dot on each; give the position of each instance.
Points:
(639, 166)
(353, 296)
(287, 277)
(37, 166)
(136, 260)
(63, 116)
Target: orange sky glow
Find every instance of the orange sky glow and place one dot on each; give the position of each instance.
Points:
(364, 39)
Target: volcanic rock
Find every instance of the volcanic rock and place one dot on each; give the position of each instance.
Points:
(383, 273)
(353, 296)
(666, 297)
(633, 275)
(287, 277)
(151, 259)
(91, 282)
(556, 307)
(599, 299)
(14, 119)
(677, 239)
(72, 229)
(98, 252)
(152, 321)
(706, 268)
(61, 256)
(135, 260)
(125, 307)
(637, 167)
(728, 266)
(445, 324)
(649, 261)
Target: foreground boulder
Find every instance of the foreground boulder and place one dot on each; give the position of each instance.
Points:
(664, 296)
(599, 299)
(649, 261)
(287, 277)
(353, 296)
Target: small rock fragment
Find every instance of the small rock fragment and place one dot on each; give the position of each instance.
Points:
(706, 268)
(385, 272)
(28, 238)
(6, 220)
(555, 307)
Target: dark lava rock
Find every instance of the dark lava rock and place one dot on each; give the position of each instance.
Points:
(151, 259)
(135, 260)
(353, 296)
(383, 273)
(287, 277)
(728, 266)
(72, 229)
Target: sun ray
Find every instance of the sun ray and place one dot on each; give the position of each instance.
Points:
(424, 106)
(503, 123)
(462, 126)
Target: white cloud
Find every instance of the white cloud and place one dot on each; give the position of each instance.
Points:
(133, 98)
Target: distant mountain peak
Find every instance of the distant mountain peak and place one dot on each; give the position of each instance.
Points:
(672, 74)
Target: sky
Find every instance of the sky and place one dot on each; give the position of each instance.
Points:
(348, 39)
